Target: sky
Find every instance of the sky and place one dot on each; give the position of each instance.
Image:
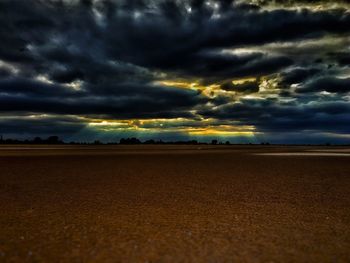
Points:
(247, 71)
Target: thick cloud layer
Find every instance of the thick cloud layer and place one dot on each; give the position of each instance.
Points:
(277, 66)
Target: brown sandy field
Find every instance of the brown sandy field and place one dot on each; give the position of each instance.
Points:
(173, 204)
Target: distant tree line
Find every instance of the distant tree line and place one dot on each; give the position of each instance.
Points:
(36, 140)
(123, 141)
(135, 141)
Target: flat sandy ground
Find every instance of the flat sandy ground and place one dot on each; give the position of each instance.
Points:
(174, 204)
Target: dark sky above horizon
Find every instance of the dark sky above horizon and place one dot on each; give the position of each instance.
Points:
(242, 70)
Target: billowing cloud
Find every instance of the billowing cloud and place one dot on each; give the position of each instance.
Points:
(187, 68)
(328, 84)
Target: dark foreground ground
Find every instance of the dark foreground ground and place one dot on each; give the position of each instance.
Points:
(173, 204)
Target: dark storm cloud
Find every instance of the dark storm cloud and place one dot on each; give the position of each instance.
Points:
(42, 126)
(329, 84)
(106, 108)
(20, 95)
(67, 76)
(269, 116)
(296, 2)
(159, 43)
(298, 75)
(214, 67)
(103, 58)
(163, 36)
(246, 87)
(343, 58)
(34, 88)
(4, 73)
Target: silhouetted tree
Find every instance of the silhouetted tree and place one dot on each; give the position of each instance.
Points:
(53, 140)
(214, 142)
(130, 141)
(37, 140)
(194, 142)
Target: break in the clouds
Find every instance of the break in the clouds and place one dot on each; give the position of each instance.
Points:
(246, 71)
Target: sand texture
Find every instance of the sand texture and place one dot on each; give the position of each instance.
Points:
(173, 204)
